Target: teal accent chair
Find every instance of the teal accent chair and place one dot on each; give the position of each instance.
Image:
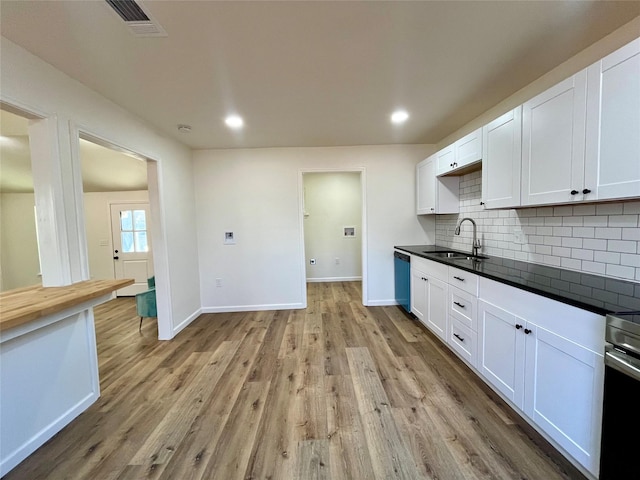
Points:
(146, 302)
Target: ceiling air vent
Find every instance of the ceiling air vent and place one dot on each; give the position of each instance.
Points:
(139, 21)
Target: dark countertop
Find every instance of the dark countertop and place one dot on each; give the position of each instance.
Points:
(594, 293)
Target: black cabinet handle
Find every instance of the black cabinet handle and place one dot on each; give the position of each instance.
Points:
(481, 203)
(116, 257)
(451, 165)
(574, 192)
(527, 331)
(459, 304)
(586, 190)
(459, 279)
(518, 326)
(458, 337)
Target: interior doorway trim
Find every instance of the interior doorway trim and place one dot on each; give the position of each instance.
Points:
(363, 234)
(158, 232)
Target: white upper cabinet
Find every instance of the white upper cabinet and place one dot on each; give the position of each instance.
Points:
(502, 160)
(435, 195)
(445, 159)
(461, 154)
(612, 168)
(553, 143)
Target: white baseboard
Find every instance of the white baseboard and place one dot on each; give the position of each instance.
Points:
(334, 279)
(40, 438)
(178, 328)
(253, 308)
(381, 303)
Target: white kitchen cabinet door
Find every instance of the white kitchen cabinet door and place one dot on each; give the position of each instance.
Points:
(426, 187)
(563, 393)
(612, 164)
(445, 159)
(553, 143)
(419, 287)
(468, 149)
(502, 160)
(501, 345)
(437, 317)
(435, 195)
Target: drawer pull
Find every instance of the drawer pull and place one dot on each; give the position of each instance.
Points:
(458, 337)
(527, 331)
(459, 304)
(459, 279)
(518, 326)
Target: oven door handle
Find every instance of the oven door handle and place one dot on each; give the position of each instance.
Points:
(623, 363)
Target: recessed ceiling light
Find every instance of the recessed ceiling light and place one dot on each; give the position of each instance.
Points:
(234, 121)
(182, 128)
(399, 116)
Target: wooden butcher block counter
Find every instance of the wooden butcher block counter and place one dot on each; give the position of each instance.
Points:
(24, 305)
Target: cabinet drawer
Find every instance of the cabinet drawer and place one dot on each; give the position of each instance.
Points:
(463, 307)
(433, 269)
(463, 280)
(463, 341)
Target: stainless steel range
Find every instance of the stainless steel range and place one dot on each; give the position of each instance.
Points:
(621, 418)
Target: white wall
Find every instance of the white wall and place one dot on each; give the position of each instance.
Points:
(18, 244)
(583, 59)
(36, 86)
(332, 201)
(255, 193)
(98, 224)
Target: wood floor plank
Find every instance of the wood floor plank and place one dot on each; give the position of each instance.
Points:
(390, 456)
(334, 391)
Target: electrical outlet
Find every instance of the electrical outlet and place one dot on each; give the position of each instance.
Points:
(518, 236)
(218, 282)
(337, 261)
(312, 261)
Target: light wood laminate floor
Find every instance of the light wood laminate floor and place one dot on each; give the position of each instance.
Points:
(336, 391)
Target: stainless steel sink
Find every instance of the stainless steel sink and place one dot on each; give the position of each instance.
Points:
(457, 255)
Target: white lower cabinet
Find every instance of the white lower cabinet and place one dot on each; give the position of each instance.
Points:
(563, 393)
(556, 382)
(429, 294)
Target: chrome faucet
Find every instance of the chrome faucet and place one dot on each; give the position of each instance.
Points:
(476, 243)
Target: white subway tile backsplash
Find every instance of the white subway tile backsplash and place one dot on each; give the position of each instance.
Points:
(607, 257)
(609, 209)
(594, 267)
(573, 221)
(561, 252)
(584, 209)
(584, 232)
(594, 243)
(603, 239)
(609, 233)
(571, 263)
(631, 234)
(582, 254)
(562, 231)
(621, 271)
(623, 220)
(624, 246)
(631, 207)
(595, 221)
(630, 259)
(572, 242)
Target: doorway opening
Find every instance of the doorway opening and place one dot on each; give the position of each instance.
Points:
(19, 252)
(333, 226)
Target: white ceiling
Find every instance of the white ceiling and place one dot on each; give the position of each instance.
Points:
(312, 73)
(103, 169)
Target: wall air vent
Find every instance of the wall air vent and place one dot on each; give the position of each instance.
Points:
(139, 21)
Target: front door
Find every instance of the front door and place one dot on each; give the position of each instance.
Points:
(131, 246)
